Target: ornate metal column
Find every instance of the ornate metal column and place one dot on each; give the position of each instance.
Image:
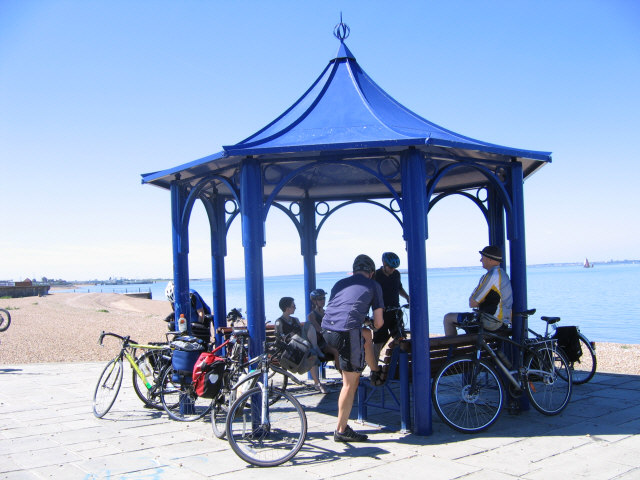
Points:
(496, 219)
(309, 247)
(253, 240)
(180, 242)
(414, 213)
(216, 213)
(517, 251)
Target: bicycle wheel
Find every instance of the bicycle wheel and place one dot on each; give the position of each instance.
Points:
(107, 387)
(152, 363)
(548, 380)
(5, 319)
(266, 445)
(180, 400)
(584, 369)
(219, 419)
(464, 405)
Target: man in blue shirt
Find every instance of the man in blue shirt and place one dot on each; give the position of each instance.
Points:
(349, 303)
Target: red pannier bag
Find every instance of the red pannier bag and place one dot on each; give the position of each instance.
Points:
(207, 375)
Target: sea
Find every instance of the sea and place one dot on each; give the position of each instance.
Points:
(604, 301)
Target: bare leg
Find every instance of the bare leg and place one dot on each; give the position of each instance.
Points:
(449, 327)
(314, 375)
(350, 381)
(369, 355)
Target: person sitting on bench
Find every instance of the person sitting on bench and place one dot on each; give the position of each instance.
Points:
(492, 295)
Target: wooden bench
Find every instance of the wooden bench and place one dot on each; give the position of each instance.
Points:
(394, 394)
(270, 332)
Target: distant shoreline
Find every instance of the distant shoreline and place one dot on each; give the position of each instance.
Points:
(133, 281)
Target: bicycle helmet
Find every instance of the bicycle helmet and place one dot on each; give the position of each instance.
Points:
(168, 291)
(363, 263)
(317, 293)
(391, 259)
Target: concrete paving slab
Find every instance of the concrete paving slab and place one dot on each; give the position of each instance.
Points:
(47, 430)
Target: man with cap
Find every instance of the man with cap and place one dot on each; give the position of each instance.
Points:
(345, 314)
(492, 295)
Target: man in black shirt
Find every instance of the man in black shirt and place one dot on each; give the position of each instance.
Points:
(389, 279)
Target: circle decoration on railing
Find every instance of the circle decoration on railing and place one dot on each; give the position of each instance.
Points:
(322, 208)
(230, 207)
(272, 174)
(389, 168)
(341, 31)
(482, 194)
(294, 208)
(394, 206)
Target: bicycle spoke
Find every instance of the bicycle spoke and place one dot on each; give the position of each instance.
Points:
(548, 381)
(107, 388)
(465, 403)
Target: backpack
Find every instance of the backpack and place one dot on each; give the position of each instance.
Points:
(207, 375)
(298, 356)
(569, 342)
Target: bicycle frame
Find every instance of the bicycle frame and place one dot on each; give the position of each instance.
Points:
(126, 351)
(523, 348)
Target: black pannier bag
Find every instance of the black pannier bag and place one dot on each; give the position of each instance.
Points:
(298, 357)
(569, 342)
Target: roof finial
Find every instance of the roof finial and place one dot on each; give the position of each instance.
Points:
(341, 30)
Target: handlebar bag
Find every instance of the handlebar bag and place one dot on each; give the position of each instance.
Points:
(569, 342)
(207, 375)
(298, 356)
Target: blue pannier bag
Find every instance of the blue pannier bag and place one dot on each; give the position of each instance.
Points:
(186, 351)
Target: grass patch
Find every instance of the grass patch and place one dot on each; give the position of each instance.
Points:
(103, 310)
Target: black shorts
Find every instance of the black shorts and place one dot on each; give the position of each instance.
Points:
(350, 346)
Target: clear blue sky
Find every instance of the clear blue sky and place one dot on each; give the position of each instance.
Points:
(92, 94)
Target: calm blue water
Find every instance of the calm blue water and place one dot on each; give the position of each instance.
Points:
(604, 301)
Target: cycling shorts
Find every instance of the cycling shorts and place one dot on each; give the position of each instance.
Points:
(350, 346)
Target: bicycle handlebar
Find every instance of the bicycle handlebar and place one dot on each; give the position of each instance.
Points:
(110, 334)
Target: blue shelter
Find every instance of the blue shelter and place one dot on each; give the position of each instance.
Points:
(346, 141)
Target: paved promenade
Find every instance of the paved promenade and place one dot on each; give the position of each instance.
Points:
(47, 430)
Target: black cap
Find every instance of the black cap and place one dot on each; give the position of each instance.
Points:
(492, 252)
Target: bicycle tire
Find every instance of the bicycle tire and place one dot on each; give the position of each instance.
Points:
(219, 419)
(5, 319)
(153, 364)
(107, 388)
(548, 380)
(180, 400)
(266, 446)
(584, 369)
(457, 405)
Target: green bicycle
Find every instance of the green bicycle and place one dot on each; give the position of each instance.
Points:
(148, 370)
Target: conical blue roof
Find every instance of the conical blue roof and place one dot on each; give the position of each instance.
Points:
(345, 114)
(343, 107)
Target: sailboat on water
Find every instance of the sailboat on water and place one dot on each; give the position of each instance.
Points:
(587, 264)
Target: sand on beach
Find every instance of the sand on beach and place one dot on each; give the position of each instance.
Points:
(64, 327)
